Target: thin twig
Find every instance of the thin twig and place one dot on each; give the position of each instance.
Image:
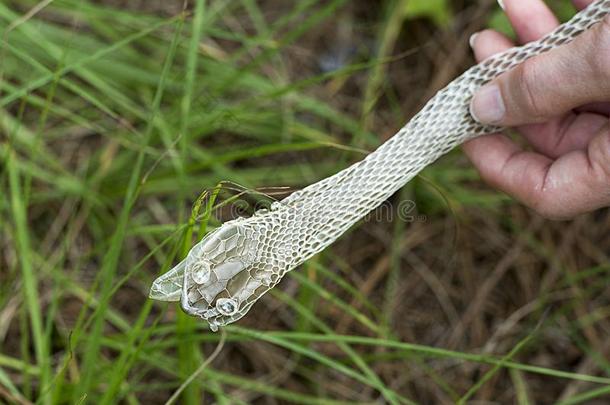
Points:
(192, 377)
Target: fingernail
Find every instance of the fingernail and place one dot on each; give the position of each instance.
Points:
(501, 3)
(473, 38)
(487, 105)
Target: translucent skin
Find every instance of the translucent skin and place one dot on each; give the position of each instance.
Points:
(232, 267)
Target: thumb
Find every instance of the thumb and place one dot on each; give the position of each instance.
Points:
(550, 84)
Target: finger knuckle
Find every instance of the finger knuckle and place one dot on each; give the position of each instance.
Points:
(531, 97)
(544, 201)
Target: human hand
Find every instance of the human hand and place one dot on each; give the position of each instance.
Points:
(558, 101)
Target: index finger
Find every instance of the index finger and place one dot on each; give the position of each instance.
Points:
(531, 19)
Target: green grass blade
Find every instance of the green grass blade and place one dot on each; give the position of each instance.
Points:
(111, 259)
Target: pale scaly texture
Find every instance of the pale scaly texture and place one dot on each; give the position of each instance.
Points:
(232, 267)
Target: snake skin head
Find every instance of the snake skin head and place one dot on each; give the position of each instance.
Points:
(221, 277)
